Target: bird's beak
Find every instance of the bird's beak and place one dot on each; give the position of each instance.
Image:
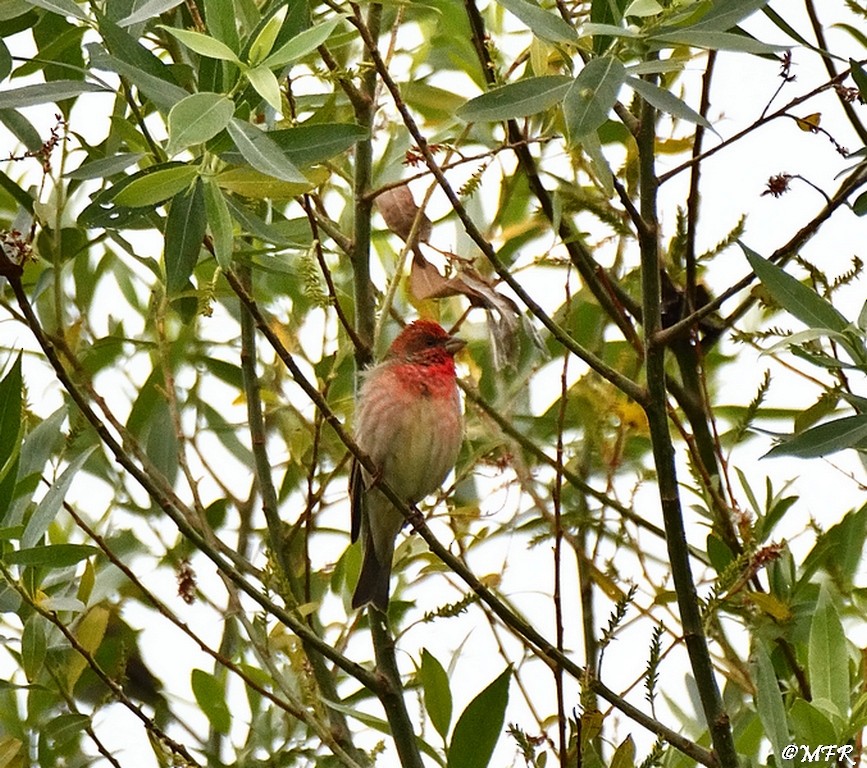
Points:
(454, 344)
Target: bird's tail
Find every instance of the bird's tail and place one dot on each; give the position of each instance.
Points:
(373, 581)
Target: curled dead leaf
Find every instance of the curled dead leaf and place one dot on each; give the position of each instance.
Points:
(399, 210)
(426, 282)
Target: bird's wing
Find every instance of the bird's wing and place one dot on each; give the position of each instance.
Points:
(356, 497)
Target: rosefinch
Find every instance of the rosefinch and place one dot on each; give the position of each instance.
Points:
(409, 421)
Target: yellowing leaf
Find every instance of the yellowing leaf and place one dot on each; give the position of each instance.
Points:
(89, 633)
(771, 605)
(809, 123)
(252, 183)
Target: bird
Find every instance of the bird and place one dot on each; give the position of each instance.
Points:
(409, 421)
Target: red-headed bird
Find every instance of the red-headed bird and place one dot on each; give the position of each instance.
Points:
(408, 420)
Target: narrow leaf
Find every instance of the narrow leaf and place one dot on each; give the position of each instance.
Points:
(211, 698)
(811, 723)
(666, 101)
(725, 14)
(828, 656)
(860, 78)
(204, 45)
(197, 118)
(801, 301)
(33, 646)
(10, 431)
(769, 701)
(525, 97)
(265, 83)
(64, 728)
(90, 633)
(52, 555)
(142, 11)
(248, 182)
(43, 93)
(541, 22)
(717, 41)
(437, 694)
(303, 43)
(480, 725)
(103, 167)
(61, 7)
(592, 95)
(264, 41)
(185, 228)
(153, 188)
(220, 224)
(262, 153)
(160, 91)
(830, 437)
(49, 506)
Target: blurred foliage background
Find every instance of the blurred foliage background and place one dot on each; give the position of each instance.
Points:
(643, 216)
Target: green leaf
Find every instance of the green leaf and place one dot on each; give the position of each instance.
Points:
(157, 186)
(90, 632)
(41, 442)
(811, 726)
(61, 7)
(204, 45)
(716, 41)
(624, 755)
(49, 507)
(541, 22)
(265, 83)
(859, 207)
(604, 13)
(44, 93)
(220, 224)
(525, 97)
(221, 21)
(797, 299)
(303, 43)
(591, 96)
(197, 118)
(149, 9)
(306, 145)
(437, 694)
(22, 128)
(161, 92)
(839, 551)
(769, 700)
(262, 153)
(828, 656)
(666, 101)
(264, 41)
(104, 212)
(10, 431)
(51, 555)
(129, 58)
(185, 228)
(830, 437)
(64, 728)
(643, 8)
(724, 14)
(211, 697)
(480, 725)
(104, 167)
(33, 646)
(248, 182)
(860, 78)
